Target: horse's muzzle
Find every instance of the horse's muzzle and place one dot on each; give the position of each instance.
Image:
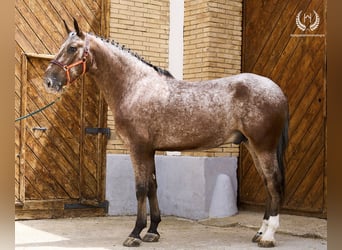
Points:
(52, 85)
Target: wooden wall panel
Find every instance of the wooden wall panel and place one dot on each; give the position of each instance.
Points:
(274, 46)
(59, 167)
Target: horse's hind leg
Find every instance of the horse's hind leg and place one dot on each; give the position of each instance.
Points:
(257, 237)
(272, 177)
(267, 166)
(262, 230)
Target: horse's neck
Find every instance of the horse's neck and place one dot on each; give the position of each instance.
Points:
(114, 70)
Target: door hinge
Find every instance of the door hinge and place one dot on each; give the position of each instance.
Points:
(94, 131)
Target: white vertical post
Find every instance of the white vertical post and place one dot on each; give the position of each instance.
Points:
(176, 43)
(176, 38)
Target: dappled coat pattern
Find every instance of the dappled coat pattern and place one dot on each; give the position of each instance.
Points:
(154, 111)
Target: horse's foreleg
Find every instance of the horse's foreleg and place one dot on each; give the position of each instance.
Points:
(152, 234)
(134, 240)
(142, 164)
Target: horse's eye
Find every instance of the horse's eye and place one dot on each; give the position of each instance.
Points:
(72, 49)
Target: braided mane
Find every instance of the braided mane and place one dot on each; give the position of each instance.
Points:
(123, 48)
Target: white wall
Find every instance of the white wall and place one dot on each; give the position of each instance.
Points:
(189, 187)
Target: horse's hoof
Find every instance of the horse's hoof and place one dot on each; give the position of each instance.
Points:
(257, 237)
(132, 242)
(266, 243)
(151, 237)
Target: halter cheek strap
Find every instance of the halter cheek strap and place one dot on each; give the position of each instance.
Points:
(83, 61)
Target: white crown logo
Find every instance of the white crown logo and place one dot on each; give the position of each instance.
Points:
(312, 26)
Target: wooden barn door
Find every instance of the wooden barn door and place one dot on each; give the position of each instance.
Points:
(285, 40)
(60, 162)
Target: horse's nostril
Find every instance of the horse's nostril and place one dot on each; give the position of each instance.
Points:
(48, 82)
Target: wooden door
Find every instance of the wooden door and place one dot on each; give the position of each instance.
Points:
(59, 167)
(285, 40)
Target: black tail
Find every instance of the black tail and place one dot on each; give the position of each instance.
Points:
(281, 154)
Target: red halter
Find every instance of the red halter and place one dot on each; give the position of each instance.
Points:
(83, 61)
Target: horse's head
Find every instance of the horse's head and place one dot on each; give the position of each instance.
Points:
(71, 61)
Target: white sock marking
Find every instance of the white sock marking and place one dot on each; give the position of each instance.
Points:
(263, 227)
(273, 224)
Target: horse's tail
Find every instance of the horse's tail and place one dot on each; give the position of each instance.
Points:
(281, 154)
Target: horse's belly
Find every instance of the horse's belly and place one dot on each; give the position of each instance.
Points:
(184, 138)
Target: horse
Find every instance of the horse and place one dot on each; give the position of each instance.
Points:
(154, 111)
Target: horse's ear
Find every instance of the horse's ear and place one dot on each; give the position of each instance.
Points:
(77, 29)
(66, 26)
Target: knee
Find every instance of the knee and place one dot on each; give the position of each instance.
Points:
(141, 191)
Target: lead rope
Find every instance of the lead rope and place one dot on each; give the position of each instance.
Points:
(37, 111)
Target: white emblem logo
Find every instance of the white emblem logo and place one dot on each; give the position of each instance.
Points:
(312, 25)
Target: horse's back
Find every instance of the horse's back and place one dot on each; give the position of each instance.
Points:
(240, 85)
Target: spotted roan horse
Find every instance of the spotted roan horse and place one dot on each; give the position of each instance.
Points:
(154, 111)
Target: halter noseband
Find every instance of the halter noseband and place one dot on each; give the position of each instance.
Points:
(83, 61)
